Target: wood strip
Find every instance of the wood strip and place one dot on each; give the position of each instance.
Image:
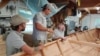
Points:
(81, 36)
(51, 50)
(86, 43)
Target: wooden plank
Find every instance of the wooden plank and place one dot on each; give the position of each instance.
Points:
(23, 54)
(68, 53)
(93, 52)
(93, 34)
(88, 36)
(2, 49)
(51, 50)
(86, 43)
(64, 46)
(98, 54)
(78, 52)
(81, 36)
(85, 51)
(73, 37)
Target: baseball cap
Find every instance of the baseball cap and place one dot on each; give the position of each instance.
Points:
(17, 19)
(53, 8)
(49, 6)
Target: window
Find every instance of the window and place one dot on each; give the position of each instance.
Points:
(29, 27)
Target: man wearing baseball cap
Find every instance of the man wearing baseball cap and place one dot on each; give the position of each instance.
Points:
(40, 25)
(14, 41)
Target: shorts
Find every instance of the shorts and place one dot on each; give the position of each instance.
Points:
(38, 42)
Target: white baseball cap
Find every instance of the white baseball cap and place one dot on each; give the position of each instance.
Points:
(17, 19)
(51, 6)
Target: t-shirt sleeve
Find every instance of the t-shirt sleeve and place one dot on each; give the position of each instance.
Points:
(17, 42)
(38, 19)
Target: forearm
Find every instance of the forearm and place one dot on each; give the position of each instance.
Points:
(40, 27)
(28, 50)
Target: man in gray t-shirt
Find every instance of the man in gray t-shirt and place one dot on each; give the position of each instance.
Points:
(40, 25)
(14, 40)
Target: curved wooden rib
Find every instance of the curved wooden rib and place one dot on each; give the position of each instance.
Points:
(3, 3)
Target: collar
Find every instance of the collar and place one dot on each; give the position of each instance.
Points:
(43, 14)
(18, 33)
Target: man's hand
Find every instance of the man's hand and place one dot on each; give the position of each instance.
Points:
(28, 50)
(63, 39)
(40, 47)
(50, 30)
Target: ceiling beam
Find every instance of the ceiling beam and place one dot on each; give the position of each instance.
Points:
(88, 3)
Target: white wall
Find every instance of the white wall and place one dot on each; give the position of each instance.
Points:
(72, 18)
(90, 20)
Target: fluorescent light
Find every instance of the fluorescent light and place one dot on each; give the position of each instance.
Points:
(26, 12)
